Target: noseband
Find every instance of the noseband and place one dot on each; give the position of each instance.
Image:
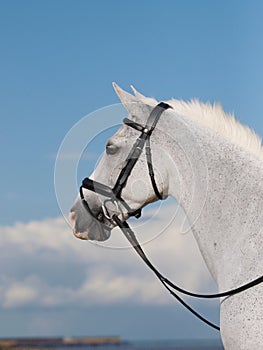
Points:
(113, 195)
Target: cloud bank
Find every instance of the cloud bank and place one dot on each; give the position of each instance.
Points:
(44, 265)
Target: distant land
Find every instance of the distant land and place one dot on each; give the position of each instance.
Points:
(49, 342)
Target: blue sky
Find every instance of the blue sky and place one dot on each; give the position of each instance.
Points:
(58, 60)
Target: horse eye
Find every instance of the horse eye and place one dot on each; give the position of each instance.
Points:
(111, 148)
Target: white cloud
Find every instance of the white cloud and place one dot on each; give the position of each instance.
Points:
(18, 294)
(42, 264)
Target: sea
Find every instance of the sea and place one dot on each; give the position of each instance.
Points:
(151, 345)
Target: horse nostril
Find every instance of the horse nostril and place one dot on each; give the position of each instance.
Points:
(72, 217)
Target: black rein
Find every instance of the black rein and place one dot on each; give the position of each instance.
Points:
(114, 195)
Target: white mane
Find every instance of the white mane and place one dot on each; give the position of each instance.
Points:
(214, 117)
(211, 116)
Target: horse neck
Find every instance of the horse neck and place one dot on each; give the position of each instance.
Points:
(219, 186)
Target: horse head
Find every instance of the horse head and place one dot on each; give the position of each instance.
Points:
(100, 200)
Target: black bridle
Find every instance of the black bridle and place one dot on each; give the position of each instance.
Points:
(114, 195)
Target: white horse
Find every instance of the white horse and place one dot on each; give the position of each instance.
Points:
(213, 166)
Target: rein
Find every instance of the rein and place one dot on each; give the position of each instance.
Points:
(129, 234)
(114, 196)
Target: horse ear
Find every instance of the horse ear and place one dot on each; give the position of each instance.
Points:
(137, 94)
(140, 97)
(138, 106)
(125, 98)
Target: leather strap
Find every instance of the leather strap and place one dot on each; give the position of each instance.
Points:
(137, 148)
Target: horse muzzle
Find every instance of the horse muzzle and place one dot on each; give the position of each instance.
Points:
(90, 225)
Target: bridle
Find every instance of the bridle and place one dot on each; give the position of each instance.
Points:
(113, 195)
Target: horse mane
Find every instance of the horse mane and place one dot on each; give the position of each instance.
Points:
(214, 117)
